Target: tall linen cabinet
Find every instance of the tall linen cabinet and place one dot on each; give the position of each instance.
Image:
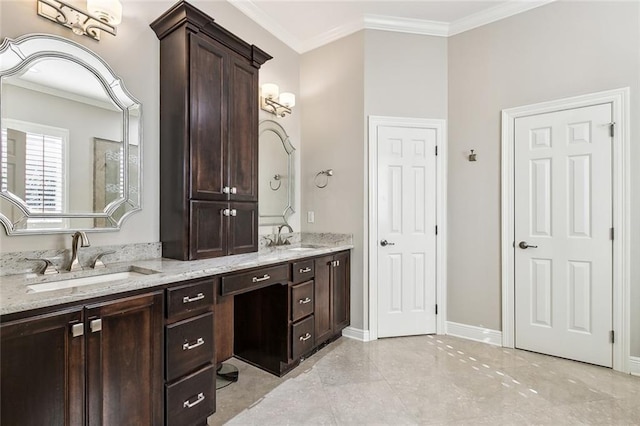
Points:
(208, 137)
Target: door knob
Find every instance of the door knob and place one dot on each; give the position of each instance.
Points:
(523, 245)
(385, 243)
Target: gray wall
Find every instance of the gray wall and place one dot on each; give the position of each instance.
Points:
(559, 50)
(332, 95)
(368, 73)
(134, 56)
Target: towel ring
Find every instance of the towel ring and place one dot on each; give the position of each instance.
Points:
(277, 178)
(327, 173)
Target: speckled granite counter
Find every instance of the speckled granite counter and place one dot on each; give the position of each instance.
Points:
(15, 297)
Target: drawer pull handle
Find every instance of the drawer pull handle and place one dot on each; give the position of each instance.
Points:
(96, 325)
(189, 404)
(262, 278)
(304, 301)
(188, 299)
(305, 337)
(307, 269)
(188, 346)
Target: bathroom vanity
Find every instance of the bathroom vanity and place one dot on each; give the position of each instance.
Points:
(144, 350)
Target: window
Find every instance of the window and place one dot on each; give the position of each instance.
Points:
(33, 167)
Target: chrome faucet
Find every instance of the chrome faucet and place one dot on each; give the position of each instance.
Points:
(279, 240)
(81, 237)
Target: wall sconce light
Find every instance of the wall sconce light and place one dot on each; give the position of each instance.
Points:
(103, 15)
(472, 156)
(274, 102)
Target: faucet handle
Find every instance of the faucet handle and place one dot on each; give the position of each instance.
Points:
(269, 241)
(97, 262)
(48, 269)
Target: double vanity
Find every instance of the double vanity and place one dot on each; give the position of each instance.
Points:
(143, 349)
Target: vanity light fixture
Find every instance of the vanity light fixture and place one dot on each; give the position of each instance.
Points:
(274, 102)
(103, 15)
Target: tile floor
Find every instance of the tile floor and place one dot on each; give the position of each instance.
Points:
(429, 380)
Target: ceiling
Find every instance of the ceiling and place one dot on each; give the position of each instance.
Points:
(307, 24)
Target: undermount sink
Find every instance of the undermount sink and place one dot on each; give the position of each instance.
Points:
(83, 281)
(302, 248)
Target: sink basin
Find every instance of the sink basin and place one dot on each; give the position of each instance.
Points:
(301, 248)
(79, 282)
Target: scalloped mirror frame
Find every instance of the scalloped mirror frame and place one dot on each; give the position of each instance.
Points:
(17, 55)
(275, 127)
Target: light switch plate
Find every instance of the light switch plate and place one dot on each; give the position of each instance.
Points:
(310, 217)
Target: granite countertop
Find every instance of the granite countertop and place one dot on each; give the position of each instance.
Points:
(15, 295)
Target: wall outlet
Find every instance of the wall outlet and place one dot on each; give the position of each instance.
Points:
(311, 217)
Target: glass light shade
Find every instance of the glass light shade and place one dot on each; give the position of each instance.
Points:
(109, 11)
(270, 91)
(287, 99)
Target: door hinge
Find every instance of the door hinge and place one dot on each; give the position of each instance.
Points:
(436, 229)
(613, 336)
(612, 127)
(436, 149)
(436, 309)
(611, 233)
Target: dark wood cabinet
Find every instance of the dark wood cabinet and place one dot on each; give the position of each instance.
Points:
(332, 295)
(190, 353)
(208, 137)
(95, 365)
(42, 370)
(124, 361)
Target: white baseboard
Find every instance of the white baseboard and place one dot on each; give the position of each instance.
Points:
(356, 334)
(471, 332)
(634, 365)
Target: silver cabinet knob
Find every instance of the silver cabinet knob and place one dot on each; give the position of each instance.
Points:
(523, 245)
(385, 243)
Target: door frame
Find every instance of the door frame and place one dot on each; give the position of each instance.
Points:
(621, 178)
(439, 125)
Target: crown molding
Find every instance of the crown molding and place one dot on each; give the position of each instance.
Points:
(493, 14)
(386, 23)
(258, 15)
(406, 25)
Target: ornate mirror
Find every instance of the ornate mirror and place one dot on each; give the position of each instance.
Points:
(71, 139)
(276, 185)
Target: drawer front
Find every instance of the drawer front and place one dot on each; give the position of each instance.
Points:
(240, 283)
(302, 271)
(192, 399)
(303, 339)
(301, 300)
(184, 301)
(189, 345)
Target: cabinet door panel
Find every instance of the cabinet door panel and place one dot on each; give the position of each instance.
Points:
(243, 237)
(208, 115)
(341, 292)
(243, 129)
(42, 379)
(124, 361)
(209, 229)
(322, 291)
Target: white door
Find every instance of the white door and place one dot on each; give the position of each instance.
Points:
(563, 212)
(406, 258)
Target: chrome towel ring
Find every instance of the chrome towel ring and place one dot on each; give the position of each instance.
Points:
(327, 173)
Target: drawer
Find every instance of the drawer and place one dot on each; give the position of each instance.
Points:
(301, 300)
(189, 345)
(191, 399)
(240, 283)
(303, 339)
(184, 301)
(302, 271)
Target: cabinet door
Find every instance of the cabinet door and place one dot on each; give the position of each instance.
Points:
(208, 72)
(42, 379)
(322, 291)
(243, 129)
(341, 279)
(209, 229)
(124, 361)
(243, 233)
